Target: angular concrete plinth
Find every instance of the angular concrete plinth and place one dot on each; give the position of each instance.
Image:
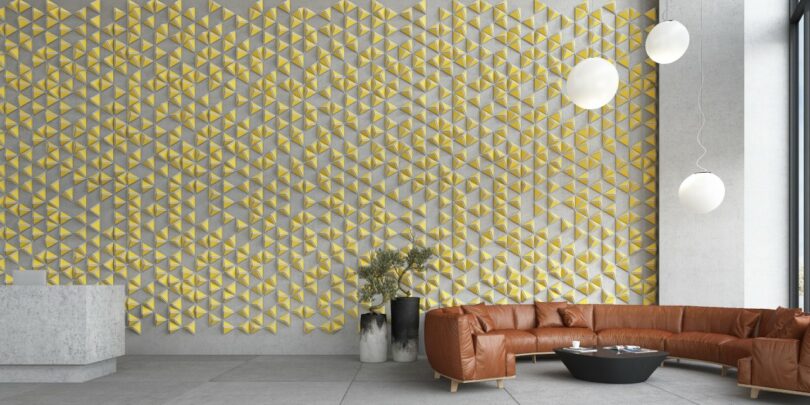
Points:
(60, 333)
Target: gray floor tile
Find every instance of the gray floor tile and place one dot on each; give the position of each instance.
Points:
(585, 393)
(294, 368)
(703, 384)
(390, 371)
(184, 370)
(432, 392)
(184, 357)
(102, 393)
(330, 379)
(264, 393)
(10, 390)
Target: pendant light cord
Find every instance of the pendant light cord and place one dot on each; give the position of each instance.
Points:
(700, 98)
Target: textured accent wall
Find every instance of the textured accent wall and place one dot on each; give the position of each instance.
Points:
(234, 169)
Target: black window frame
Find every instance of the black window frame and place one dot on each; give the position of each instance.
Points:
(799, 9)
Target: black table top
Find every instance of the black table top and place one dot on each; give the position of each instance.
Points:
(604, 353)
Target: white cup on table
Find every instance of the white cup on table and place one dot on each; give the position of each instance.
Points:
(575, 344)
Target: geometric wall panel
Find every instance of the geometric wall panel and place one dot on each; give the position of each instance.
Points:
(234, 169)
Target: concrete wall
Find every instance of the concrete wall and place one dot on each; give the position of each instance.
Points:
(766, 154)
(700, 256)
(737, 254)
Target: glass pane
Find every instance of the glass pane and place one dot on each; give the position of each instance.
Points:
(801, 161)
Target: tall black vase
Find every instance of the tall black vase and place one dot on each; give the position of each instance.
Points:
(405, 328)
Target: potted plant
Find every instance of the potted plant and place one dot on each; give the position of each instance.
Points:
(405, 308)
(381, 284)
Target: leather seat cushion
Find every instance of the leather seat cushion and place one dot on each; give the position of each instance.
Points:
(648, 338)
(517, 341)
(697, 345)
(549, 339)
(734, 350)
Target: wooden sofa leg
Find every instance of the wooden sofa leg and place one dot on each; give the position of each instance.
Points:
(500, 384)
(723, 371)
(453, 385)
(436, 375)
(534, 358)
(754, 393)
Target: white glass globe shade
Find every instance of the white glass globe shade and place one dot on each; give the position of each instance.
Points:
(702, 192)
(667, 42)
(592, 83)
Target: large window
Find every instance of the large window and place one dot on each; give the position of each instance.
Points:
(799, 152)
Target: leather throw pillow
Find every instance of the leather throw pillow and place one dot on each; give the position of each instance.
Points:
(792, 330)
(573, 317)
(547, 315)
(780, 320)
(746, 324)
(480, 312)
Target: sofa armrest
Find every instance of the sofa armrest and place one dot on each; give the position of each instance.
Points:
(804, 352)
(744, 371)
(804, 362)
(775, 363)
(449, 344)
(455, 351)
(492, 360)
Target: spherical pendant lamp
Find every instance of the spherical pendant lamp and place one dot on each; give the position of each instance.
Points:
(667, 42)
(592, 83)
(702, 192)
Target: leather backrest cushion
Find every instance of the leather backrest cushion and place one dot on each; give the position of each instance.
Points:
(547, 315)
(452, 310)
(764, 321)
(711, 320)
(747, 321)
(666, 318)
(524, 316)
(587, 312)
(502, 315)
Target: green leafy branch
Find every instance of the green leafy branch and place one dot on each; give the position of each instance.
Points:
(416, 260)
(386, 271)
(379, 278)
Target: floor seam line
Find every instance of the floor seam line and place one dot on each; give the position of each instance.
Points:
(343, 398)
(670, 392)
(232, 368)
(174, 400)
(511, 396)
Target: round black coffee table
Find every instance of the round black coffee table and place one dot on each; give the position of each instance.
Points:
(608, 366)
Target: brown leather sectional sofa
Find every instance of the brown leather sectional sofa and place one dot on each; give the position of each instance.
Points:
(480, 342)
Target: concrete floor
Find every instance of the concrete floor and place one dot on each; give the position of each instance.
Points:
(236, 380)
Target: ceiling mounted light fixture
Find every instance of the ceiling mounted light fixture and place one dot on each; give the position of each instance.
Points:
(703, 191)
